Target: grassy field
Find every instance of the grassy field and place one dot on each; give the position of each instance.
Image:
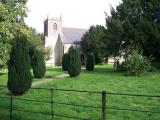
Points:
(104, 77)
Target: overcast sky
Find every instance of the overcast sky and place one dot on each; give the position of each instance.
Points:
(75, 13)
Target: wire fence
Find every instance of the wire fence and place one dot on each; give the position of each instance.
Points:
(52, 104)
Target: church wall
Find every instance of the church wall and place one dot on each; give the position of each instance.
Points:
(58, 51)
(52, 29)
(66, 47)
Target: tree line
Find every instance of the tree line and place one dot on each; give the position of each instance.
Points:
(20, 47)
(132, 26)
(12, 14)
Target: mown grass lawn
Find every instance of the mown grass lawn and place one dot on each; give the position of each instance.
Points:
(104, 77)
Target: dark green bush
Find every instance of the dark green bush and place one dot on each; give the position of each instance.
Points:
(98, 58)
(90, 62)
(138, 64)
(74, 66)
(122, 67)
(31, 53)
(155, 66)
(65, 61)
(39, 67)
(19, 75)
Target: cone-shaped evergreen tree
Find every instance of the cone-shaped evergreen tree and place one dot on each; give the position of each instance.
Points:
(90, 62)
(74, 66)
(65, 61)
(19, 75)
(31, 53)
(39, 67)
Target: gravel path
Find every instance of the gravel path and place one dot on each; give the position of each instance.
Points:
(45, 80)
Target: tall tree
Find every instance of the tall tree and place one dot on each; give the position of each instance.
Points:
(74, 64)
(134, 24)
(92, 42)
(39, 67)
(19, 75)
(90, 62)
(65, 61)
(12, 13)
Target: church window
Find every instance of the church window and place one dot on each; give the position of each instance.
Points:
(55, 26)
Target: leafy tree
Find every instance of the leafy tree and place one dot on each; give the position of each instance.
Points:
(38, 64)
(134, 25)
(19, 75)
(137, 64)
(65, 61)
(92, 42)
(12, 13)
(4, 55)
(113, 36)
(90, 62)
(34, 37)
(74, 66)
(47, 51)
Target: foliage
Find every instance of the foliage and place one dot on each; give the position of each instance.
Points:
(134, 24)
(35, 38)
(19, 75)
(38, 63)
(47, 51)
(137, 64)
(4, 55)
(65, 61)
(155, 66)
(92, 42)
(12, 13)
(90, 62)
(74, 66)
(122, 67)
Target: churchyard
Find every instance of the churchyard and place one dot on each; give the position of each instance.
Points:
(103, 78)
(104, 72)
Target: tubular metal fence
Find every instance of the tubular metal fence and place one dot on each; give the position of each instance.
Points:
(102, 108)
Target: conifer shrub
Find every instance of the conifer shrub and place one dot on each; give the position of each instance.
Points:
(39, 67)
(19, 75)
(90, 62)
(65, 61)
(31, 53)
(74, 66)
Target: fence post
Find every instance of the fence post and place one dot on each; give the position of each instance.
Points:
(52, 103)
(104, 105)
(11, 106)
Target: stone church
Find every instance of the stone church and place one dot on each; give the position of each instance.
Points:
(60, 38)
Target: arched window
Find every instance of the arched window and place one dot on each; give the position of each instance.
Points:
(55, 26)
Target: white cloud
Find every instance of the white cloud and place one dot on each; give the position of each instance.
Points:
(75, 13)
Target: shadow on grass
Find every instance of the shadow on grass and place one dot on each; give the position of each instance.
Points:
(100, 70)
(58, 76)
(54, 69)
(105, 71)
(2, 73)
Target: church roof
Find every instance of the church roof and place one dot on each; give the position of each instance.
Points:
(73, 35)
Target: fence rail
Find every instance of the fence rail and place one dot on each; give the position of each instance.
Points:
(103, 108)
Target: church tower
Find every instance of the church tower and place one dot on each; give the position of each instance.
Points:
(53, 39)
(52, 26)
